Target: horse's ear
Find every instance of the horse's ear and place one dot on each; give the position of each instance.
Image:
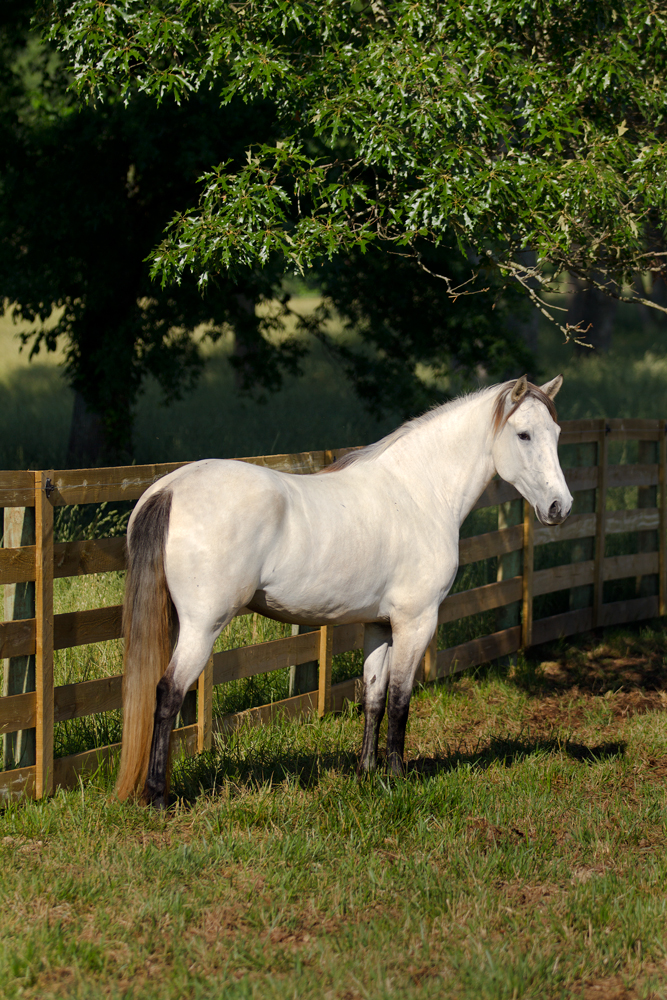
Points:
(520, 389)
(550, 389)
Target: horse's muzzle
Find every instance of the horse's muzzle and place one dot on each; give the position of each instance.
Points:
(555, 515)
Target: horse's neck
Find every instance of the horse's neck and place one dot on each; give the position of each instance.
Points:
(452, 452)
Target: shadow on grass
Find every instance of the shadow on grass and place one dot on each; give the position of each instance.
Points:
(509, 751)
(210, 771)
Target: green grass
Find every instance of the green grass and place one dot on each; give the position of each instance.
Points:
(317, 411)
(522, 857)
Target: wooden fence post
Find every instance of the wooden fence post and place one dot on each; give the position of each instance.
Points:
(43, 636)
(428, 668)
(647, 496)
(583, 549)
(326, 657)
(509, 564)
(662, 541)
(527, 590)
(19, 671)
(600, 526)
(205, 707)
(303, 676)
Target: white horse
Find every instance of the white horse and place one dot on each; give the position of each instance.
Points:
(375, 540)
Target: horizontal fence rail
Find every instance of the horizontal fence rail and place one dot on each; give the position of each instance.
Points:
(512, 596)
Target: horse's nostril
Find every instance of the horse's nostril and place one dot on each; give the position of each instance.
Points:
(554, 510)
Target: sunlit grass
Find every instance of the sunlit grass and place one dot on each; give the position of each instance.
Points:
(523, 857)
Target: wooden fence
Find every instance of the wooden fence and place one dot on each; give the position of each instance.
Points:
(512, 595)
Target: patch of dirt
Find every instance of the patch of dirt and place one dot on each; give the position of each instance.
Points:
(608, 989)
(479, 829)
(620, 661)
(532, 896)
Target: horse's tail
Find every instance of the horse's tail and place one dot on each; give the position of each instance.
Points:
(147, 614)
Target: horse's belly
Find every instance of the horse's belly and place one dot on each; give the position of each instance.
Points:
(301, 610)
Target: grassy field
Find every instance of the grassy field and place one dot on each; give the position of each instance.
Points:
(318, 411)
(522, 857)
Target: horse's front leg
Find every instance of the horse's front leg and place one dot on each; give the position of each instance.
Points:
(377, 654)
(410, 640)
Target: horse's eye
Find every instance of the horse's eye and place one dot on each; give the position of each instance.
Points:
(524, 436)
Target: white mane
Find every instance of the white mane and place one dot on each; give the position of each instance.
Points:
(373, 451)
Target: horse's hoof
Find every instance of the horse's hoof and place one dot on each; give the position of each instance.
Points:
(365, 769)
(395, 766)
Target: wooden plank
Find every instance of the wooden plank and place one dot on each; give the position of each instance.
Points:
(498, 491)
(67, 771)
(325, 656)
(471, 602)
(300, 704)
(17, 711)
(633, 475)
(205, 707)
(586, 478)
(17, 638)
(557, 626)
(639, 519)
(300, 464)
(18, 783)
(101, 555)
(17, 489)
(79, 628)
(344, 692)
(347, 638)
(637, 564)
(184, 741)
(471, 654)
(600, 526)
(637, 610)
(130, 481)
(548, 581)
(44, 707)
(114, 483)
(662, 500)
(73, 701)
(584, 525)
(578, 437)
(248, 661)
(620, 429)
(527, 579)
(489, 544)
(17, 565)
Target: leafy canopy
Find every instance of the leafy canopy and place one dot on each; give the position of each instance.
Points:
(495, 126)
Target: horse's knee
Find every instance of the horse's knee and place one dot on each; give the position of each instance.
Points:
(168, 700)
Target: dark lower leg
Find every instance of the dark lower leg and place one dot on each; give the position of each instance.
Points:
(369, 751)
(397, 719)
(168, 703)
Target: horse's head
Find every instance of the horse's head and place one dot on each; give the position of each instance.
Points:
(525, 447)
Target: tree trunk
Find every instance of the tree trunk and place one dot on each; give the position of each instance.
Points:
(87, 437)
(595, 312)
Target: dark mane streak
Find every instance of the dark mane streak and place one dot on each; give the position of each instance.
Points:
(499, 420)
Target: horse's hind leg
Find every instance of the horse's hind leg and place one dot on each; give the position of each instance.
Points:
(190, 657)
(377, 653)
